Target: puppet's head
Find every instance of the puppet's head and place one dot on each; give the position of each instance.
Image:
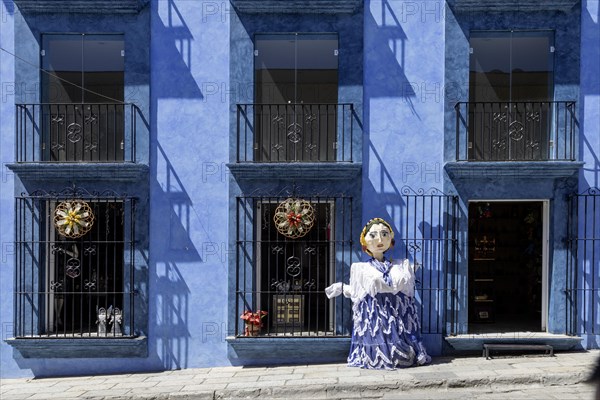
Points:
(377, 237)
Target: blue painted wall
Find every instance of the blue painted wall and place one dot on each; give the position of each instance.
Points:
(589, 144)
(8, 92)
(402, 63)
(404, 126)
(404, 79)
(189, 201)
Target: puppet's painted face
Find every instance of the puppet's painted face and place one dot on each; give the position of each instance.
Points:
(378, 239)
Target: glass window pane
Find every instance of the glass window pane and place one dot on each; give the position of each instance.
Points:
(274, 68)
(317, 76)
(296, 68)
(532, 66)
(103, 66)
(63, 61)
(489, 78)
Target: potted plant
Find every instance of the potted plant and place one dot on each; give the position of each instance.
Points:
(253, 321)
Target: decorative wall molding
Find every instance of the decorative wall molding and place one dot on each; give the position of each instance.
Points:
(535, 169)
(82, 6)
(512, 5)
(297, 6)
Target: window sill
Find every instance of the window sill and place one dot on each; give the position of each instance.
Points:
(523, 169)
(268, 350)
(81, 348)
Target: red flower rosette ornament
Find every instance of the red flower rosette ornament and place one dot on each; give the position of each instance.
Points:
(294, 218)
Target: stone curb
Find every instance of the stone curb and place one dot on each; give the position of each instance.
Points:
(365, 390)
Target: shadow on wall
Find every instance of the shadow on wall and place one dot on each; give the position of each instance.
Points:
(10, 8)
(170, 222)
(171, 314)
(384, 69)
(590, 92)
(170, 34)
(172, 207)
(385, 55)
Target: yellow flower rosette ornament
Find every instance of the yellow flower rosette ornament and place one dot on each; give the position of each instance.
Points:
(73, 218)
(294, 218)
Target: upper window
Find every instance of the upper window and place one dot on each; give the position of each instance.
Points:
(511, 66)
(82, 111)
(83, 68)
(296, 95)
(511, 83)
(296, 68)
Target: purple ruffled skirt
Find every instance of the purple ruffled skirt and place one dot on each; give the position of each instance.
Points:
(386, 333)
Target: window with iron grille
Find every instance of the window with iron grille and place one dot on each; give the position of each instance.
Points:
(284, 264)
(582, 300)
(74, 265)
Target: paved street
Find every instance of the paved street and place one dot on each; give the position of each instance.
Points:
(532, 377)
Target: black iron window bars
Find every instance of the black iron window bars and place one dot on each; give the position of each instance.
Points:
(286, 276)
(74, 284)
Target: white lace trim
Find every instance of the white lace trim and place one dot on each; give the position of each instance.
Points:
(366, 279)
(373, 318)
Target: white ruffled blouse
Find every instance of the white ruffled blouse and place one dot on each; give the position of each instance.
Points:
(366, 279)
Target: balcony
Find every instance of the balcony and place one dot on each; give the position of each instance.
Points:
(295, 133)
(76, 133)
(515, 131)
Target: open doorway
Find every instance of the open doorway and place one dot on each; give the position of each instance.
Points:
(506, 258)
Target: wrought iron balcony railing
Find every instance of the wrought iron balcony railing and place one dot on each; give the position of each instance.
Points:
(515, 131)
(89, 132)
(295, 132)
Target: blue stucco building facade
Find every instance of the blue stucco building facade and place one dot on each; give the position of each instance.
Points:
(188, 126)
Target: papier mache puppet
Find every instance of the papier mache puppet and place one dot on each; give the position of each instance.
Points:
(386, 328)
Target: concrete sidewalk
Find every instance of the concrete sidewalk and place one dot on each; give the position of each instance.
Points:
(331, 381)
